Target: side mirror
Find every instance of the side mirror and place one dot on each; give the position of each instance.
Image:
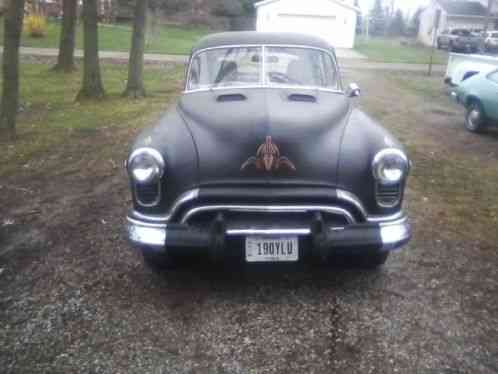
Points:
(353, 90)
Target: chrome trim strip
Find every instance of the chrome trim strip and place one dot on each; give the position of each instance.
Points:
(262, 84)
(292, 231)
(386, 219)
(146, 224)
(351, 198)
(285, 87)
(183, 199)
(263, 66)
(269, 209)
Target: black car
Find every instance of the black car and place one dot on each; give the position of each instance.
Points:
(266, 159)
(460, 40)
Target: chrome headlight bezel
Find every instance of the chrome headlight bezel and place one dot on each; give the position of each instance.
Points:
(386, 157)
(146, 184)
(156, 164)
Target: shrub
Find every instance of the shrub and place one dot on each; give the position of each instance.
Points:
(35, 26)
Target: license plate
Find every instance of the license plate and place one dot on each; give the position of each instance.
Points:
(272, 249)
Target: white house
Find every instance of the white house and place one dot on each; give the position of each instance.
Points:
(455, 14)
(332, 20)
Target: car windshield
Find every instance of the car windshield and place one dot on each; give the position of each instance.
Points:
(244, 67)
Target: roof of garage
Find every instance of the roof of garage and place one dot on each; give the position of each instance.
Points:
(467, 8)
(265, 2)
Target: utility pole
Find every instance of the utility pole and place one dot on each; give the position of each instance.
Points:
(434, 39)
(367, 27)
(487, 19)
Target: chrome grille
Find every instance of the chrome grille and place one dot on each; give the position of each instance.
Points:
(388, 196)
(147, 194)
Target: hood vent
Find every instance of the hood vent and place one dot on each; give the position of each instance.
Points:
(302, 98)
(231, 97)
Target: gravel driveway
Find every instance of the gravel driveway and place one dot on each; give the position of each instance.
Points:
(75, 298)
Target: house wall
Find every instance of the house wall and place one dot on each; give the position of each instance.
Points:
(426, 32)
(494, 5)
(467, 23)
(326, 19)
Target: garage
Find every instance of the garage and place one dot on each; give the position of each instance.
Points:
(332, 20)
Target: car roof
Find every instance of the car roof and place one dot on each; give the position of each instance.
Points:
(260, 38)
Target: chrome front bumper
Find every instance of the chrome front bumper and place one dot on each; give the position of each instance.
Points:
(383, 233)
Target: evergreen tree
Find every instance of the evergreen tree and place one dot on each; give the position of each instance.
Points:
(377, 19)
(397, 26)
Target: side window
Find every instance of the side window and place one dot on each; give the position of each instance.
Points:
(493, 77)
(195, 70)
(330, 71)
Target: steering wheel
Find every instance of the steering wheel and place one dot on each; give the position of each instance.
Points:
(281, 78)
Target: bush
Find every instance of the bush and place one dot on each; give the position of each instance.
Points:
(35, 26)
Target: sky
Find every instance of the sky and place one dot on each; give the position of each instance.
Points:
(409, 6)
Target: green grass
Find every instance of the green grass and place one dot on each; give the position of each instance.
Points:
(52, 121)
(168, 40)
(443, 179)
(391, 50)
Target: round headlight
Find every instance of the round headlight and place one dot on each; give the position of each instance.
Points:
(146, 166)
(390, 166)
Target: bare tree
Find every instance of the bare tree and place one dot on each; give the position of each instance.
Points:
(135, 86)
(65, 61)
(13, 21)
(92, 82)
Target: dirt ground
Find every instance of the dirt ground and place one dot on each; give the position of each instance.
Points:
(75, 298)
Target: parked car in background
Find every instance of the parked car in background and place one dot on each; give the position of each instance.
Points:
(491, 41)
(463, 66)
(266, 159)
(479, 95)
(461, 40)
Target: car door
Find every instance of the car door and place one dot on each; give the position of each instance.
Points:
(489, 95)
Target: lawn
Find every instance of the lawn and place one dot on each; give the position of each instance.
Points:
(169, 39)
(394, 50)
(51, 117)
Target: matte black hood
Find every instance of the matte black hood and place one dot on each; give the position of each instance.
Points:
(266, 135)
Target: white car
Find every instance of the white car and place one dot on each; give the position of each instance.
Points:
(462, 66)
(491, 40)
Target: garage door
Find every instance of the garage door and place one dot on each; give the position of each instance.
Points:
(326, 27)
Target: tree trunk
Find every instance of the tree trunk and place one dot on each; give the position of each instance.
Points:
(135, 87)
(92, 83)
(13, 21)
(65, 61)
